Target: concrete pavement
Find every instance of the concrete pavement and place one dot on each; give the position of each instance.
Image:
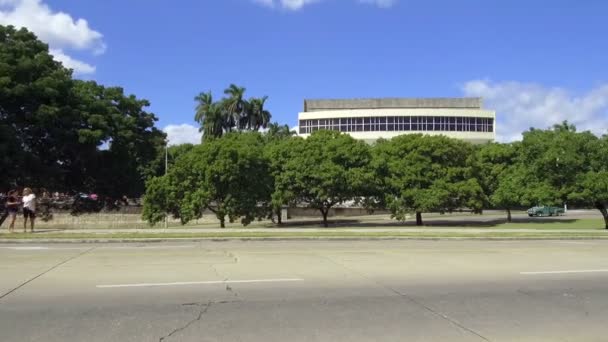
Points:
(306, 291)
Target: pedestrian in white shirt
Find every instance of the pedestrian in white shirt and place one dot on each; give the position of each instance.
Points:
(29, 208)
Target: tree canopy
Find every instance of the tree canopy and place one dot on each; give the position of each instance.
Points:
(324, 170)
(227, 176)
(231, 113)
(67, 134)
(419, 173)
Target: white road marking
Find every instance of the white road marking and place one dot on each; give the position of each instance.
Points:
(39, 248)
(148, 247)
(201, 283)
(564, 272)
(25, 248)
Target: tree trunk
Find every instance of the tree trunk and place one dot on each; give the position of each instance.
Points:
(279, 216)
(509, 219)
(418, 218)
(602, 208)
(325, 212)
(222, 222)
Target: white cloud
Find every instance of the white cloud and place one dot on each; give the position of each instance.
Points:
(79, 67)
(183, 134)
(520, 106)
(294, 5)
(58, 29)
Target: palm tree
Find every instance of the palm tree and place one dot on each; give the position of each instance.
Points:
(234, 105)
(205, 101)
(209, 115)
(257, 116)
(213, 124)
(276, 131)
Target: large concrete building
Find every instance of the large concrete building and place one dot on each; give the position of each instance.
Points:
(371, 119)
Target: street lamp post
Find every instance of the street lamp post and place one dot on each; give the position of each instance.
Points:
(166, 168)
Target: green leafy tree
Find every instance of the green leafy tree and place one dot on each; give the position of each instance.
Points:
(280, 148)
(322, 171)
(419, 173)
(66, 134)
(35, 93)
(228, 176)
(592, 186)
(489, 162)
(516, 187)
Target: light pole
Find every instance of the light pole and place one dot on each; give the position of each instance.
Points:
(166, 168)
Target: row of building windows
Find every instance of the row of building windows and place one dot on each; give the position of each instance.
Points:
(399, 123)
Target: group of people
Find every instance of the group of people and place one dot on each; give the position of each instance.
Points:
(13, 202)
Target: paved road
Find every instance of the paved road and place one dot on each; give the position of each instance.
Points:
(306, 291)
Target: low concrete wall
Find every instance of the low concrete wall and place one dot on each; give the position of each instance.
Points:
(309, 212)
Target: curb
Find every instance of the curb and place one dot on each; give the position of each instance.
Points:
(337, 238)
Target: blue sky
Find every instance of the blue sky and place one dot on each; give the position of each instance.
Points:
(535, 62)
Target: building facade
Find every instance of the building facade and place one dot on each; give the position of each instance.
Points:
(371, 119)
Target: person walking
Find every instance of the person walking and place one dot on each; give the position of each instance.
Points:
(12, 207)
(29, 208)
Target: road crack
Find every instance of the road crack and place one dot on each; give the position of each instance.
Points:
(45, 272)
(203, 307)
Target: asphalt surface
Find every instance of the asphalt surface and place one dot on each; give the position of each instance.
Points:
(306, 291)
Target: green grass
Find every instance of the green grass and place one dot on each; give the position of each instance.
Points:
(566, 224)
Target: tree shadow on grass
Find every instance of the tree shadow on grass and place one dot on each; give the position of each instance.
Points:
(464, 222)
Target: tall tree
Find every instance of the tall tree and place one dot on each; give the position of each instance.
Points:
(204, 102)
(592, 185)
(490, 164)
(234, 107)
(35, 97)
(419, 173)
(66, 134)
(278, 132)
(516, 186)
(256, 115)
(230, 113)
(228, 176)
(280, 148)
(322, 171)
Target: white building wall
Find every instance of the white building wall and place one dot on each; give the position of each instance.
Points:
(474, 137)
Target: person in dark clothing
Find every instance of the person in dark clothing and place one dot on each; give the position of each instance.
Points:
(12, 206)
